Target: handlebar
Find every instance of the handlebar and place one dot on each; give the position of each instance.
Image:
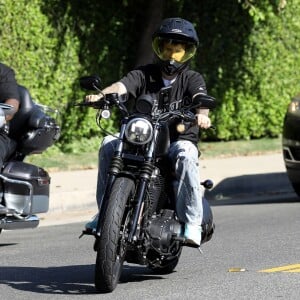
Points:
(7, 108)
(109, 100)
(96, 104)
(106, 101)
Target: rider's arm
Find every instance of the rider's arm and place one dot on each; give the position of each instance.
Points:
(197, 87)
(117, 87)
(9, 93)
(129, 84)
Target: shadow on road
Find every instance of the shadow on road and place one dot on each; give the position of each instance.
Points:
(71, 280)
(252, 189)
(8, 244)
(54, 280)
(137, 274)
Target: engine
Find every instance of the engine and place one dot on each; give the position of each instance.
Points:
(164, 232)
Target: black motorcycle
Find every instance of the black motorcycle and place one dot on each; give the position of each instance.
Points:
(24, 188)
(137, 219)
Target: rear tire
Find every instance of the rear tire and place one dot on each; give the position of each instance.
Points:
(112, 244)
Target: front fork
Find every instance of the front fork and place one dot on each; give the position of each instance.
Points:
(139, 198)
(115, 167)
(144, 178)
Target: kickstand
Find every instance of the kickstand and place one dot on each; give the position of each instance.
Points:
(87, 232)
(200, 250)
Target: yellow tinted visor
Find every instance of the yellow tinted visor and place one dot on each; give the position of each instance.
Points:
(179, 51)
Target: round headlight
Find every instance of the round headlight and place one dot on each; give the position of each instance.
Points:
(139, 131)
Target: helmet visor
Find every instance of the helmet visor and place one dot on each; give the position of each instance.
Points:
(169, 49)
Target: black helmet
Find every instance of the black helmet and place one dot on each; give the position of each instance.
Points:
(175, 31)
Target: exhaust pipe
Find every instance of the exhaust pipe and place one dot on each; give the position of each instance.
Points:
(9, 223)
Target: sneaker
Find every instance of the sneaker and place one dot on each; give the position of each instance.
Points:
(3, 210)
(92, 225)
(192, 234)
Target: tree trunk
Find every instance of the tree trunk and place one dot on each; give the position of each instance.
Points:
(153, 17)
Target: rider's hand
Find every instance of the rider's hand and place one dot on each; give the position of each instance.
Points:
(203, 121)
(93, 98)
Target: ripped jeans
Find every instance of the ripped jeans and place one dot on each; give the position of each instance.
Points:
(185, 161)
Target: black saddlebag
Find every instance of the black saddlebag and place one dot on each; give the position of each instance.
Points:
(25, 188)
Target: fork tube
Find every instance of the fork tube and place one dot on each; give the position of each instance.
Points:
(150, 154)
(138, 206)
(145, 176)
(115, 167)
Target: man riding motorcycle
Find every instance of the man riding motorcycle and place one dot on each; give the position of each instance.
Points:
(174, 44)
(9, 94)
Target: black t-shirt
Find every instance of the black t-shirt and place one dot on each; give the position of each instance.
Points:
(8, 84)
(148, 80)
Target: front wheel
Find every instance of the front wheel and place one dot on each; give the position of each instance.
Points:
(112, 244)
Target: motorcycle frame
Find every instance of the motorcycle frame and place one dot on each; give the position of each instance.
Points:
(116, 171)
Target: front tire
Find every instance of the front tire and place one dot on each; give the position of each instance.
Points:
(112, 243)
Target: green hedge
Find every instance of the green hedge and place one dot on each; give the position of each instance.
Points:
(251, 63)
(248, 56)
(50, 44)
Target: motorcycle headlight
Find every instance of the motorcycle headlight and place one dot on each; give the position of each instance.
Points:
(139, 131)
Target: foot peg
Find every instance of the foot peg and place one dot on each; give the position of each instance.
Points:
(185, 242)
(208, 184)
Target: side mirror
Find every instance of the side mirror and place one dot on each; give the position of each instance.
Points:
(91, 83)
(204, 101)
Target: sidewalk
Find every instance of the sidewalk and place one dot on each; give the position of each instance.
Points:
(73, 194)
(72, 197)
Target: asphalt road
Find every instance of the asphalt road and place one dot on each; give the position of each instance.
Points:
(50, 262)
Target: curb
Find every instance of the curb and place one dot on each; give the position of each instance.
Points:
(238, 180)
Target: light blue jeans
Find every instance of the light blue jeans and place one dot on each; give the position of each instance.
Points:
(185, 161)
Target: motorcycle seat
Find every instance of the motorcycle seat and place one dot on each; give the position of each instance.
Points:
(31, 127)
(18, 125)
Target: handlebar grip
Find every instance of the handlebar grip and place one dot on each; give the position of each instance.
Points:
(96, 104)
(189, 117)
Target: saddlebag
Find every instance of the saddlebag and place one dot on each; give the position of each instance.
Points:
(25, 188)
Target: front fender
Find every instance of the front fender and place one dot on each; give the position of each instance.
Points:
(126, 174)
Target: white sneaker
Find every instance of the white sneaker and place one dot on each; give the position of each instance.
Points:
(3, 210)
(192, 234)
(92, 225)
